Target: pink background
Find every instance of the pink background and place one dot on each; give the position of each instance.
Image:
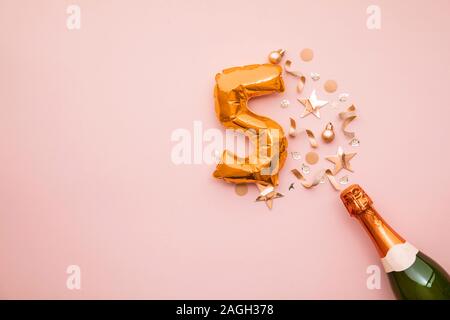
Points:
(86, 175)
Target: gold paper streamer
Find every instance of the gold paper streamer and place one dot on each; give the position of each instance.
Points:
(322, 173)
(311, 138)
(332, 180)
(293, 128)
(348, 116)
(297, 174)
(295, 73)
(293, 133)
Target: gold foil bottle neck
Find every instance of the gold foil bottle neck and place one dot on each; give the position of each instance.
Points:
(359, 205)
(356, 200)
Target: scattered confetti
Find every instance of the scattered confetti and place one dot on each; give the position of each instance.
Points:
(241, 189)
(296, 155)
(322, 175)
(297, 174)
(307, 54)
(267, 194)
(315, 76)
(312, 157)
(343, 180)
(343, 97)
(334, 104)
(341, 160)
(330, 86)
(354, 142)
(305, 169)
(348, 116)
(292, 128)
(311, 138)
(298, 74)
(323, 179)
(284, 103)
(312, 105)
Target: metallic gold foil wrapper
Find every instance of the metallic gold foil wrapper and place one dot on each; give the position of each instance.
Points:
(355, 200)
(360, 205)
(234, 87)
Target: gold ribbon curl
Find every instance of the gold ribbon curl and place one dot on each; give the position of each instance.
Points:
(348, 116)
(292, 128)
(297, 174)
(316, 180)
(297, 74)
(293, 133)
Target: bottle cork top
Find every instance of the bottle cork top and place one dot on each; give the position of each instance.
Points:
(356, 200)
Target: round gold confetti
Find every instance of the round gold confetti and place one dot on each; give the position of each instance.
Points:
(307, 54)
(312, 157)
(330, 86)
(241, 189)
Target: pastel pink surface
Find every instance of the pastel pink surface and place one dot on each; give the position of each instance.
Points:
(86, 174)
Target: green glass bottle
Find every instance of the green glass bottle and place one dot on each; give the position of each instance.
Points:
(412, 275)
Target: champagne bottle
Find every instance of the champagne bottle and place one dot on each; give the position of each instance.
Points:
(412, 274)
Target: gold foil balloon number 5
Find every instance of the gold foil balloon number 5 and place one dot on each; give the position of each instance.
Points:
(234, 87)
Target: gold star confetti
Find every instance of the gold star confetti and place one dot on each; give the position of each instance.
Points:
(312, 105)
(341, 160)
(268, 194)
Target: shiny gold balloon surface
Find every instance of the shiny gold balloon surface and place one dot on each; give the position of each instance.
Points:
(234, 87)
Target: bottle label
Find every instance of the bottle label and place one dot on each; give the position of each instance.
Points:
(400, 257)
